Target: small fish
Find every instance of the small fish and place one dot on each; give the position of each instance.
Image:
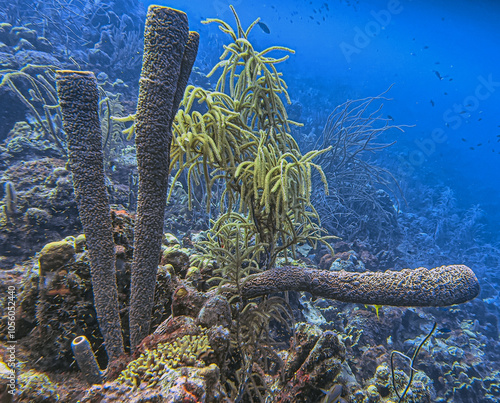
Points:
(463, 139)
(426, 47)
(390, 117)
(264, 27)
(444, 330)
(432, 102)
(479, 145)
(472, 148)
(437, 74)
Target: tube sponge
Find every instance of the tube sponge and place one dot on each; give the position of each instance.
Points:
(441, 286)
(169, 54)
(78, 98)
(86, 360)
(10, 198)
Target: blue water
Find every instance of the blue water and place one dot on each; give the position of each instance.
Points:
(441, 59)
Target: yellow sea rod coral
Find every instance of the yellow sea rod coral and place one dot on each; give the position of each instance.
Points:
(243, 142)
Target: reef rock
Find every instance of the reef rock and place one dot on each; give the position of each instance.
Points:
(54, 255)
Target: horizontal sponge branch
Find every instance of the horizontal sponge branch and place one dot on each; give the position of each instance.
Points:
(441, 286)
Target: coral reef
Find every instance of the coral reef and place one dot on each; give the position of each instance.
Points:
(435, 229)
(37, 387)
(452, 357)
(33, 85)
(104, 35)
(355, 256)
(314, 361)
(56, 306)
(180, 361)
(34, 148)
(45, 208)
(222, 304)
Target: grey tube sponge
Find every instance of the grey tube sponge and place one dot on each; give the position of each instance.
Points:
(78, 98)
(188, 59)
(86, 360)
(169, 54)
(441, 286)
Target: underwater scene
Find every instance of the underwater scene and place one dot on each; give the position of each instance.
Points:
(249, 202)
